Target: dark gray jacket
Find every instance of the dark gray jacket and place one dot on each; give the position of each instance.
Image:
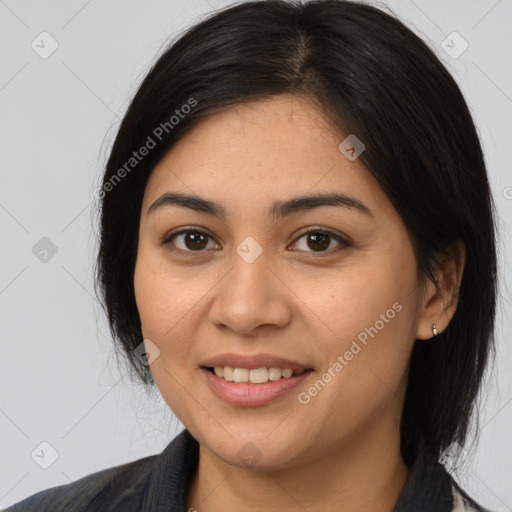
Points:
(158, 483)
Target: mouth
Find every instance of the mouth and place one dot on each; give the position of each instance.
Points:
(260, 375)
(255, 380)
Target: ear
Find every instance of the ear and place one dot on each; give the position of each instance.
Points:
(439, 301)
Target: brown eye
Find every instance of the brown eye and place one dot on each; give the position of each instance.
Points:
(320, 241)
(189, 240)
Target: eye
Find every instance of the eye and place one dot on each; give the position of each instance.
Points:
(188, 240)
(319, 240)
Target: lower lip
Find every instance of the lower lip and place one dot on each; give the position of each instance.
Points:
(252, 395)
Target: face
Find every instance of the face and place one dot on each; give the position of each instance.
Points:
(326, 289)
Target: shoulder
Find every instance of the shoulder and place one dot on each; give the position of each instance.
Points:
(120, 486)
(151, 483)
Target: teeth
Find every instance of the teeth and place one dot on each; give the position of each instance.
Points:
(274, 373)
(228, 373)
(241, 375)
(254, 376)
(258, 376)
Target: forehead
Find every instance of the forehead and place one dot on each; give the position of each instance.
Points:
(285, 126)
(262, 151)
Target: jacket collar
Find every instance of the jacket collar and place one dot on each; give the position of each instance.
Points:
(166, 490)
(428, 487)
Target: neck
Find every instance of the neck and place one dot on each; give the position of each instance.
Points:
(364, 474)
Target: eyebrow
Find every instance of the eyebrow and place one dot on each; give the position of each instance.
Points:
(277, 211)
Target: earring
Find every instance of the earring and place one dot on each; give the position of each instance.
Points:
(434, 330)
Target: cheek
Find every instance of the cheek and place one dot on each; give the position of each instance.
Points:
(371, 313)
(165, 304)
(155, 296)
(349, 300)
(160, 293)
(170, 304)
(368, 313)
(152, 303)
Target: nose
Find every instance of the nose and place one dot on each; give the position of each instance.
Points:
(250, 298)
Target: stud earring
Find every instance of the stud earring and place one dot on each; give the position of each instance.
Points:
(434, 330)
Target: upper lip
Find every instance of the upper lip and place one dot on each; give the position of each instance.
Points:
(254, 361)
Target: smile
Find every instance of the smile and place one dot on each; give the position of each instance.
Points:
(255, 375)
(249, 394)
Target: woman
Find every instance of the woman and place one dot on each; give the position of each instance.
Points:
(297, 247)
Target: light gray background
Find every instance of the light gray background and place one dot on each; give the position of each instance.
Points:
(58, 379)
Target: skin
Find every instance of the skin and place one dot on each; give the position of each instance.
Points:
(341, 450)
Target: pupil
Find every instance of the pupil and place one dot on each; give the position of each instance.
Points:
(197, 241)
(196, 238)
(322, 240)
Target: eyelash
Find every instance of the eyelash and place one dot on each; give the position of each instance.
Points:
(324, 231)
